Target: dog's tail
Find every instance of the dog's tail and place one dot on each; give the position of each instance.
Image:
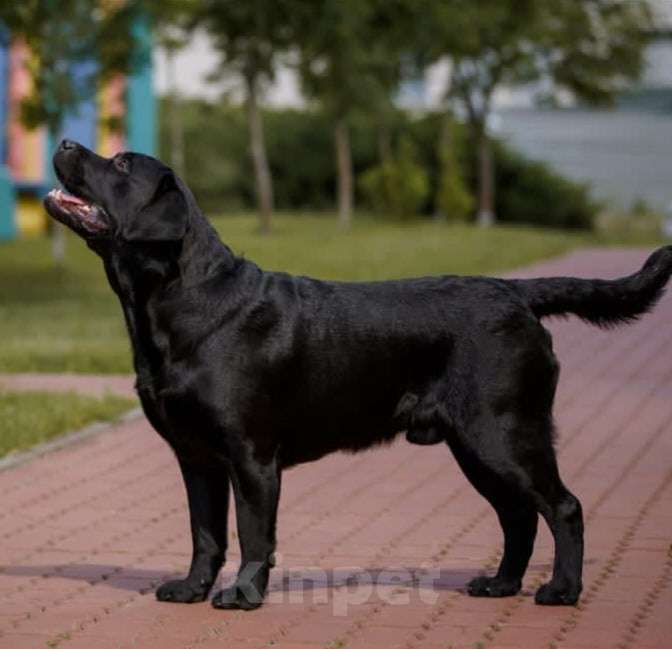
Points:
(605, 303)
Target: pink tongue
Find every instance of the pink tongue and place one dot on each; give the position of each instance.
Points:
(68, 198)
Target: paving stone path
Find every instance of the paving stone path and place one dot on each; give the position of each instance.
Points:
(374, 549)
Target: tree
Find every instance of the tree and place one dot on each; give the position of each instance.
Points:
(594, 49)
(349, 63)
(249, 37)
(74, 48)
(172, 41)
(398, 186)
(77, 44)
(453, 201)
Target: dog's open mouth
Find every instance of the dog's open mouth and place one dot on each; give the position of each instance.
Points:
(76, 212)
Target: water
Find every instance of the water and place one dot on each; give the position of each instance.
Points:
(623, 154)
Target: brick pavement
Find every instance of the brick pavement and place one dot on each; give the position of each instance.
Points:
(374, 549)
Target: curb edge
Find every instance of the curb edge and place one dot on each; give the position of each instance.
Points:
(66, 440)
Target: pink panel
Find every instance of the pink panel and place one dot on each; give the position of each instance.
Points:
(25, 150)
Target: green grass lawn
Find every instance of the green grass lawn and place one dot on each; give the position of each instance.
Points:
(29, 418)
(67, 319)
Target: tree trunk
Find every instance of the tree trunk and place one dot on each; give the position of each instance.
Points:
(344, 172)
(175, 115)
(58, 243)
(384, 143)
(262, 173)
(56, 229)
(486, 181)
(444, 157)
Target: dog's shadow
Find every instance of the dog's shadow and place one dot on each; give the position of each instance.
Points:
(285, 579)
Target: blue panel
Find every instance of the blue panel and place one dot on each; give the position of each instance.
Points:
(7, 205)
(140, 100)
(81, 124)
(7, 191)
(49, 149)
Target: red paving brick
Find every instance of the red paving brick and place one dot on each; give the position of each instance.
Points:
(374, 549)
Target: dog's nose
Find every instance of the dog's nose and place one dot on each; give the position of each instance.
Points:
(67, 145)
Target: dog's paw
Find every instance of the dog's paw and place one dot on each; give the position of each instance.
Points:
(492, 587)
(551, 595)
(234, 598)
(181, 591)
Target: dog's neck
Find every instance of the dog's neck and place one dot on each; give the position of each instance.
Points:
(203, 254)
(144, 279)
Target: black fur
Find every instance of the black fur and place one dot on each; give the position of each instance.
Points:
(605, 303)
(246, 372)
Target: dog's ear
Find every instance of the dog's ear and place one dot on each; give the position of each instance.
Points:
(164, 218)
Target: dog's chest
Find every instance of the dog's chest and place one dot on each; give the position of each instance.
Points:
(179, 412)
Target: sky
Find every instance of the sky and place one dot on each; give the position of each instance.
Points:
(196, 61)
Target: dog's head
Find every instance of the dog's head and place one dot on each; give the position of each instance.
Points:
(130, 197)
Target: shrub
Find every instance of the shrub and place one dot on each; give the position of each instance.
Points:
(216, 163)
(429, 179)
(398, 186)
(532, 192)
(641, 223)
(453, 200)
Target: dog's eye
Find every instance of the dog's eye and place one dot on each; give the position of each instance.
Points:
(122, 164)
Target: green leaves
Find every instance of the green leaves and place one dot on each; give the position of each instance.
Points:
(76, 44)
(352, 51)
(248, 35)
(597, 49)
(398, 186)
(594, 49)
(591, 48)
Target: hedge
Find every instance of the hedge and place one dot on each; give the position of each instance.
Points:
(300, 151)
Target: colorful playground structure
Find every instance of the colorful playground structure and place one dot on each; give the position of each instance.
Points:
(25, 155)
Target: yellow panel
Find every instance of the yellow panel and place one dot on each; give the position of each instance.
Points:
(30, 216)
(111, 106)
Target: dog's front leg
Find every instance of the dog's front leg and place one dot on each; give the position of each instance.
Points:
(208, 497)
(256, 488)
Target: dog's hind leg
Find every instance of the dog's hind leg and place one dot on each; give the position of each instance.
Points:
(565, 519)
(506, 450)
(513, 466)
(256, 488)
(208, 497)
(517, 515)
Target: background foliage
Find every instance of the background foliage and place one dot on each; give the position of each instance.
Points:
(300, 156)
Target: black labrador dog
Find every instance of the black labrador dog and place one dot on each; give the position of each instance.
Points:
(246, 372)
